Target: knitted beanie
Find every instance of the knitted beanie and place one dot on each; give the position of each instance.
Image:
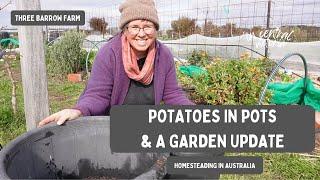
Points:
(138, 9)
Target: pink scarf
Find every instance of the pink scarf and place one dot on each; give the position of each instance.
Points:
(130, 63)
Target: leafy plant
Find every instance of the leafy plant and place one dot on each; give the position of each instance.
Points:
(91, 58)
(65, 56)
(199, 58)
(237, 82)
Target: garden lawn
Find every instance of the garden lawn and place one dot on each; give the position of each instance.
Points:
(281, 166)
(10, 126)
(62, 94)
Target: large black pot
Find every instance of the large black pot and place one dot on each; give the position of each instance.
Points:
(78, 149)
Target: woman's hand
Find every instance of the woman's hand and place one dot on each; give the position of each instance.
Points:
(61, 116)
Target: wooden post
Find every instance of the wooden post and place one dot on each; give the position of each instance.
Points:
(47, 35)
(266, 50)
(33, 68)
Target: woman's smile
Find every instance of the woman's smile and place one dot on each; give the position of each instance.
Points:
(141, 42)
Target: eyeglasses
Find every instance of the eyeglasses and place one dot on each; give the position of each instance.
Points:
(134, 30)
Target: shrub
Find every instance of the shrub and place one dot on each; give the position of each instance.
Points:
(236, 82)
(65, 56)
(199, 58)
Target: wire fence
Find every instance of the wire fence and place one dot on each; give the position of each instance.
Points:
(225, 18)
(230, 27)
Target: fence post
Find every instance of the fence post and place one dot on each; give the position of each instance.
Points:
(33, 68)
(268, 27)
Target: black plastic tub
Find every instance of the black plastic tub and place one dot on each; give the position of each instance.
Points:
(78, 149)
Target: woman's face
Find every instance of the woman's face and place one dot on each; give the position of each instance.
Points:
(140, 34)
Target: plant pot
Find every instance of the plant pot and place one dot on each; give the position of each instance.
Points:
(77, 149)
(76, 77)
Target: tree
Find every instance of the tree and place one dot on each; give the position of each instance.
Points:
(229, 30)
(256, 30)
(185, 26)
(98, 24)
(210, 29)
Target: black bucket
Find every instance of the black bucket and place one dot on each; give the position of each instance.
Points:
(78, 149)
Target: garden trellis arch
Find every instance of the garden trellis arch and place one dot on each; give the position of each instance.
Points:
(95, 45)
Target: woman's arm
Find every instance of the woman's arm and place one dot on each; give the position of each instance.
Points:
(95, 99)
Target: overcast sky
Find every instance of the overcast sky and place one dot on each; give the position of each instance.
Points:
(245, 12)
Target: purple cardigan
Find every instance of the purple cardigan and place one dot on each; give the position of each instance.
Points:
(108, 84)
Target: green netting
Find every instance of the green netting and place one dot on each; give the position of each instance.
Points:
(192, 71)
(293, 93)
(5, 42)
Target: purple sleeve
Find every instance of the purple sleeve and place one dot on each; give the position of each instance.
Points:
(95, 99)
(173, 94)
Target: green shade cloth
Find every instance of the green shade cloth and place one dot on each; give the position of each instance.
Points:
(5, 42)
(192, 71)
(293, 93)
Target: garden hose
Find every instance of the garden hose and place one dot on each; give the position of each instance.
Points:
(263, 92)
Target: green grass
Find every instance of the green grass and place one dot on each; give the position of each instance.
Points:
(62, 94)
(293, 166)
(10, 126)
(281, 166)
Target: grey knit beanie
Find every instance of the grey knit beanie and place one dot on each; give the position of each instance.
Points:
(138, 9)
